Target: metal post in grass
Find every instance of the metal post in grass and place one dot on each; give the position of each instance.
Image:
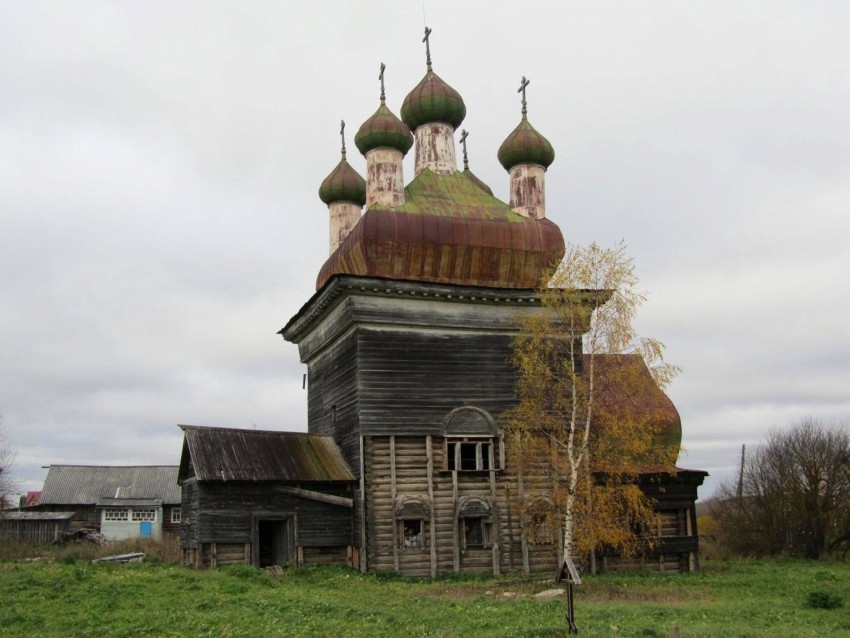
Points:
(569, 573)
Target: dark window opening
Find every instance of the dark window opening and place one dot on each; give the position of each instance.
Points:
(469, 455)
(411, 534)
(476, 532)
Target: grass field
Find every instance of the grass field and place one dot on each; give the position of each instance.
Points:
(71, 597)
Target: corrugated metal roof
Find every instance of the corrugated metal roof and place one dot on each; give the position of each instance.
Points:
(224, 454)
(87, 484)
(129, 502)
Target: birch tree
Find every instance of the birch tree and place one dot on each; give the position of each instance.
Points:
(7, 456)
(583, 430)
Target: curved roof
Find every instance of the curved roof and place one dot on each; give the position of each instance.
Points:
(451, 231)
(432, 100)
(525, 146)
(628, 393)
(383, 130)
(344, 184)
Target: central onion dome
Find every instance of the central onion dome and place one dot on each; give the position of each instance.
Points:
(383, 130)
(344, 184)
(432, 100)
(525, 146)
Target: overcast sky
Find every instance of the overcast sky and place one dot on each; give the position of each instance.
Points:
(159, 217)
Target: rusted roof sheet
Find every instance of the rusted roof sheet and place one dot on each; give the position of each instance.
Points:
(87, 484)
(449, 231)
(225, 454)
(626, 387)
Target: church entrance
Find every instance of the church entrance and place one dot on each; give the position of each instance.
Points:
(275, 542)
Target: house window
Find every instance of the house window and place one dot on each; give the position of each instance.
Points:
(469, 454)
(175, 515)
(144, 515)
(475, 533)
(411, 534)
(116, 515)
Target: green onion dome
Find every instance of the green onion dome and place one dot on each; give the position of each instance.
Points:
(525, 146)
(344, 184)
(383, 130)
(433, 101)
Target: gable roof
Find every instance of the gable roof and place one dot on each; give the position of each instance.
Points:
(227, 454)
(91, 484)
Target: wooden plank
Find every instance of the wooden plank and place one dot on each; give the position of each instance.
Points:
(393, 499)
(455, 531)
(363, 554)
(429, 452)
(316, 496)
(496, 528)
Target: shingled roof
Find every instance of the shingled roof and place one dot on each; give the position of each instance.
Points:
(91, 484)
(226, 454)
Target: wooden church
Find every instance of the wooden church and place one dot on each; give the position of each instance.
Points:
(406, 342)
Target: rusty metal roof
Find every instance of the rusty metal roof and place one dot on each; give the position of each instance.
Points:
(449, 230)
(88, 484)
(626, 389)
(226, 454)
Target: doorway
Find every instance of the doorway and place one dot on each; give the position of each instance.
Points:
(275, 542)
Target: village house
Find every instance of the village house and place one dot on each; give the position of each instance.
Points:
(120, 502)
(407, 343)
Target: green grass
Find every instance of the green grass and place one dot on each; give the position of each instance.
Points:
(730, 599)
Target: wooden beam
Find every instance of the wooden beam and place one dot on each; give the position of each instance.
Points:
(455, 530)
(316, 496)
(362, 506)
(429, 450)
(497, 523)
(392, 496)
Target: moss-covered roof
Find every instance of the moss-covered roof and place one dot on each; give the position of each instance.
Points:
(449, 230)
(453, 195)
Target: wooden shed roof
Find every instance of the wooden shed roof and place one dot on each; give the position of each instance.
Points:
(88, 484)
(226, 454)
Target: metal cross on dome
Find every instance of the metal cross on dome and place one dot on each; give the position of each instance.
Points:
(381, 78)
(427, 42)
(521, 89)
(342, 135)
(463, 136)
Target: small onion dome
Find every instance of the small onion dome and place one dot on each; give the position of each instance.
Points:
(344, 184)
(433, 101)
(525, 146)
(383, 130)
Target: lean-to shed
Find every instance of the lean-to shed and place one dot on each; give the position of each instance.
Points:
(264, 498)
